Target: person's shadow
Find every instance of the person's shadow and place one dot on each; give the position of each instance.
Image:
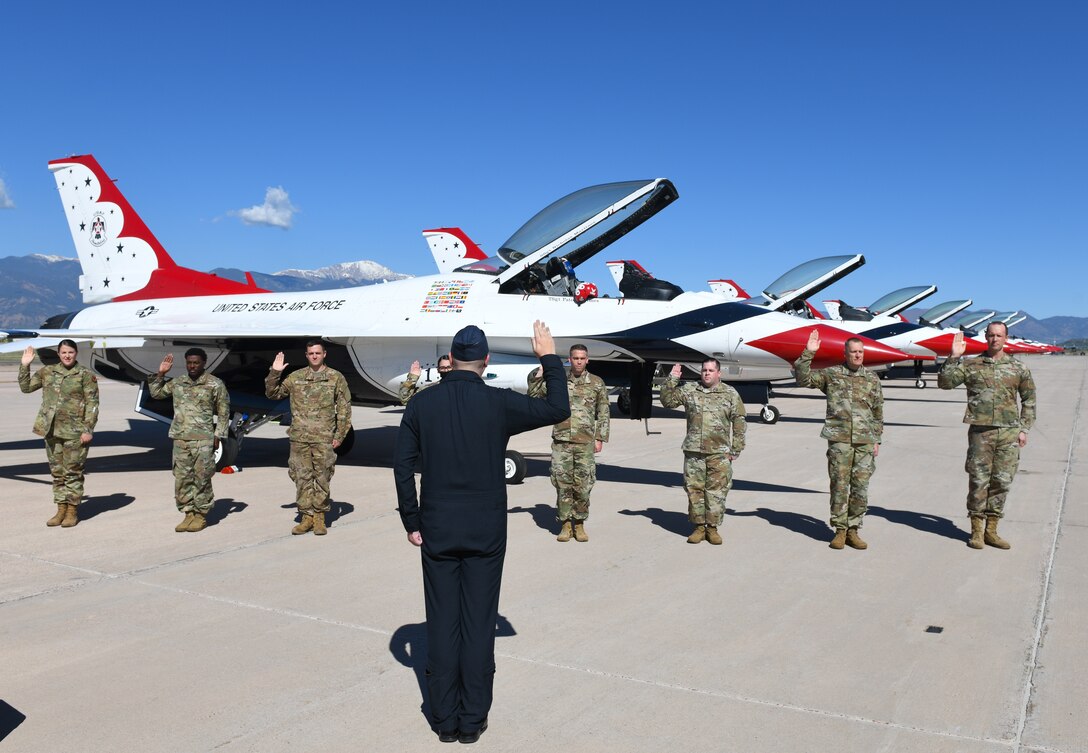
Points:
(93, 506)
(920, 521)
(408, 645)
(543, 516)
(797, 522)
(673, 521)
(336, 511)
(221, 508)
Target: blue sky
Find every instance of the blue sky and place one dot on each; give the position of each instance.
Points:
(944, 140)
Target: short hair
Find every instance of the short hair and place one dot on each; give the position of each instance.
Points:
(197, 352)
(312, 343)
(1002, 324)
(715, 361)
(444, 357)
(70, 343)
(579, 346)
(846, 345)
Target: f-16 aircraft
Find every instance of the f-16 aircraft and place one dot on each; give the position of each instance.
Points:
(149, 306)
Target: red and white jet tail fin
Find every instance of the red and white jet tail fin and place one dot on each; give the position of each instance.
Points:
(729, 289)
(833, 309)
(451, 248)
(121, 259)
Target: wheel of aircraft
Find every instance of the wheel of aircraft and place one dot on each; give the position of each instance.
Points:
(769, 414)
(920, 383)
(623, 401)
(347, 444)
(227, 452)
(515, 467)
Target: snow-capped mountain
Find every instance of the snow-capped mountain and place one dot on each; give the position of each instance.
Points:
(355, 271)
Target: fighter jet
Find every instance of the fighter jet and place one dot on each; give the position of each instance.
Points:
(148, 305)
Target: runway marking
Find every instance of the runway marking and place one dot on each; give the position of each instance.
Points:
(1044, 599)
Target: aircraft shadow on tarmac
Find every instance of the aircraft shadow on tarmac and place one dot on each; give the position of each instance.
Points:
(408, 645)
(919, 521)
(336, 511)
(10, 718)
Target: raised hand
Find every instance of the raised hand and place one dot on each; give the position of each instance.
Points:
(813, 343)
(279, 364)
(959, 347)
(28, 356)
(543, 342)
(166, 364)
(415, 369)
(677, 370)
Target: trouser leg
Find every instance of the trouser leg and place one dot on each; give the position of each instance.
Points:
(695, 486)
(67, 460)
(981, 448)
(585, 476)
(718, 481)
(442, 596)
(862, 466)
(311, 466)
(481, 579)
(839, 464)
(1005, 464)
(562, 474)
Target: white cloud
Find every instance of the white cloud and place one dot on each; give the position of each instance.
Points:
(276, 211)
(5, 200)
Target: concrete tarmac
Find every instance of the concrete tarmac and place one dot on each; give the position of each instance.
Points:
(122, 635)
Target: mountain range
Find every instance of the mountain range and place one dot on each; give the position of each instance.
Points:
(37, 286)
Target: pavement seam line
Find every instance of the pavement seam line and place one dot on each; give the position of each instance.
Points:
(1044, 598)
(595, 672)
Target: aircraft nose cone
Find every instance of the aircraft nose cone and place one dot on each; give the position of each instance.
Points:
(942, 345)
(789, 345)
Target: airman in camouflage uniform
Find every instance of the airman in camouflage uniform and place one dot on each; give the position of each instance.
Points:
(201, 421)
(411, 385)
(66, 420)
(320, 419)
(853, 428)
(575, 440)
(715, 438)
(998, 429)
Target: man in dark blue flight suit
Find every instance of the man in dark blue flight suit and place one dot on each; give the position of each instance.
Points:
(458, 431)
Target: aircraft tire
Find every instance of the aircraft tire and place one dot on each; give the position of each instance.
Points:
(623, 401)
(515, 467)
(769, 414)
(920, 383)
(227, 453)
(347, 444)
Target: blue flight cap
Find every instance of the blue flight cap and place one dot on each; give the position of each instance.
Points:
(470, 344)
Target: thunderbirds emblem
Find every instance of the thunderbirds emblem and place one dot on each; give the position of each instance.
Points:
(98, 229)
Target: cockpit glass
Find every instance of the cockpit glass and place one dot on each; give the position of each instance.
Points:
(568, 213)
(803, 275)
(896, 298)
(942, 309)
(492, 265)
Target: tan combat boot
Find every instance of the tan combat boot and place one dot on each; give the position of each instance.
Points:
(198, 523)
(564, 532)
(62, 507)
(71, 516)
(305, 525)
(319, 524)
(991, 537)
(580, 531)
(713, 536)
(976, 533)
(840, 539)
(183, 526)
(855, 541)
(698, 534)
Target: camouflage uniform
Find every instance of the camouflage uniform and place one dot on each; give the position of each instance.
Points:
(69, 409)
(410, 386)
(574, 467)
(320, 413)
(196, 403)
(716, 427)
(993, 453)
(853, 426)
